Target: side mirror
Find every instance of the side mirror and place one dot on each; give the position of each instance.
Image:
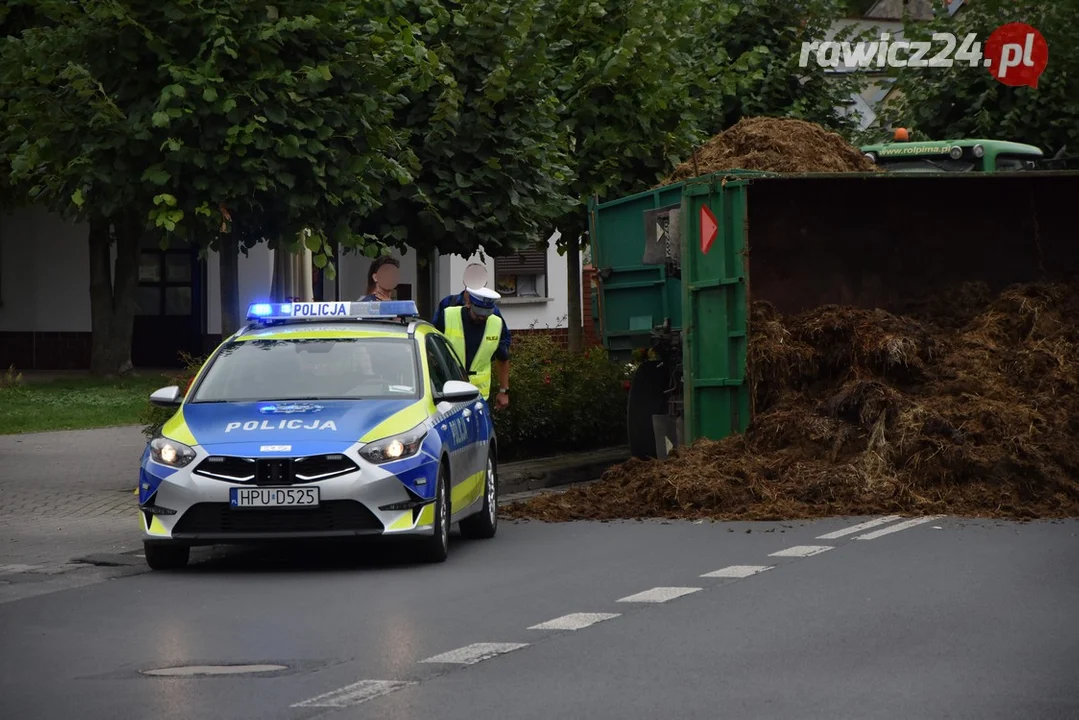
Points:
(456, 391)
(168, 397)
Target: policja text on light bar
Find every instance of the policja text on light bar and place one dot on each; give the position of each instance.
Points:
(329, 310)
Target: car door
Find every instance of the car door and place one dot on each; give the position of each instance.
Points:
(454, 422)
(474, 412)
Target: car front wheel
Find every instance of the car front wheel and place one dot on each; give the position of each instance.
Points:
(436, 548)
(484, 524)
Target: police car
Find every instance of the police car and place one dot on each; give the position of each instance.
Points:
(321, 420)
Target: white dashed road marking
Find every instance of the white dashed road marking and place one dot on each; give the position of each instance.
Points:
(737, 571)
(896, 528)
(860, 527)
(574, 621)
(474, 653)
(660, 594)
(802, 551)
(354, 694)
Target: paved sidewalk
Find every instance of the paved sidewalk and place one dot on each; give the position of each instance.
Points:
(63, 494)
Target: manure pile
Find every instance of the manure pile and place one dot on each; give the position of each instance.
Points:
(780, 145)
(965, 405)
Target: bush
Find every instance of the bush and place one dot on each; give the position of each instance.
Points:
(560, 401)
(153, 416)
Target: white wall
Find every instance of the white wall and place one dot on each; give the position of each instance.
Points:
(352, 269)
(45, 278)
(520, 313)
(44, 273)
(255, 274)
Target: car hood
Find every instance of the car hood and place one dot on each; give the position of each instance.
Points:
(272, 428)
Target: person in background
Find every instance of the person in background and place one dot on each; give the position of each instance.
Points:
(475, 276)
(382, 279)
(479, 336)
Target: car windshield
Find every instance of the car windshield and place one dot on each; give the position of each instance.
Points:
(311, 369)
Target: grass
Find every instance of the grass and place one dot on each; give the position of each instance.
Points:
(73, 403)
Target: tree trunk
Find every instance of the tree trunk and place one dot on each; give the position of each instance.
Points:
(230, 285)
(573, 288)
(112, 295)
(425, 283)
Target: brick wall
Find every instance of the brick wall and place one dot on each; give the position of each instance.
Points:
(560, 335)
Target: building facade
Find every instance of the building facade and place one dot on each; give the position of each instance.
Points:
(45, 293)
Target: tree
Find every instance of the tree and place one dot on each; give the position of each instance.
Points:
(644, 81)
(964, 101)
(176, 118)
(766, 37)
(492, 157)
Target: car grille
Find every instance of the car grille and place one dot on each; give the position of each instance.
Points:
(275, 471)
(330, 516)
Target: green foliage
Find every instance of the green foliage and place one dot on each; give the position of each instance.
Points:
(965, 102)
(626, 73)
(644, 81)
(492, 160)
(560, 401)
(763, 40)
(201, 117)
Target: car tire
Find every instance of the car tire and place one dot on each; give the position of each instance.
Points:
(436, 548)
(166, 557)
(484, 524)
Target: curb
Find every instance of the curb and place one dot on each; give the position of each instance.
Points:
(566, 469)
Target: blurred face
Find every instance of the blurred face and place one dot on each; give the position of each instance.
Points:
(386, 277)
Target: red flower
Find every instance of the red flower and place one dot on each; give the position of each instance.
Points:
(546, 379)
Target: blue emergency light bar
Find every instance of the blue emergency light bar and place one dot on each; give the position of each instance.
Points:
(331, 310)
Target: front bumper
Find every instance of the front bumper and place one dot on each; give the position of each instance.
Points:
(182, 506)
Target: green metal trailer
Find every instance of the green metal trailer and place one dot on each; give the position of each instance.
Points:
(678, 267)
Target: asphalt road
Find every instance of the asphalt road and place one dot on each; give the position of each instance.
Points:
(945, 619)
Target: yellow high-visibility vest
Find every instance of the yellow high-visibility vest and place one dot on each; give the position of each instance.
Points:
(481, 363)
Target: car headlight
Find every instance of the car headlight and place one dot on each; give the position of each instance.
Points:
(394, 447)
(171, 453)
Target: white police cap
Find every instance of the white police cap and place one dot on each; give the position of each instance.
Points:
(483, 299)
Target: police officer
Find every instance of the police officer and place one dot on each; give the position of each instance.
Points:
(480, 337)
(475, 276)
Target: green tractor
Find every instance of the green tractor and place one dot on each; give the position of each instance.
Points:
(935, 156)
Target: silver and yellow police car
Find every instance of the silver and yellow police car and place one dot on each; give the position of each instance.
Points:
(321, 420)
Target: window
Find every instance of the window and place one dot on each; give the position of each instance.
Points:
(523, 274)
(1012, 163)
(165, 280)
(437, 369)
(454, 364)
(311, 369)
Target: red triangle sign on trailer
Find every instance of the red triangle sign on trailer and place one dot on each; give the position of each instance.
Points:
(709, 229)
